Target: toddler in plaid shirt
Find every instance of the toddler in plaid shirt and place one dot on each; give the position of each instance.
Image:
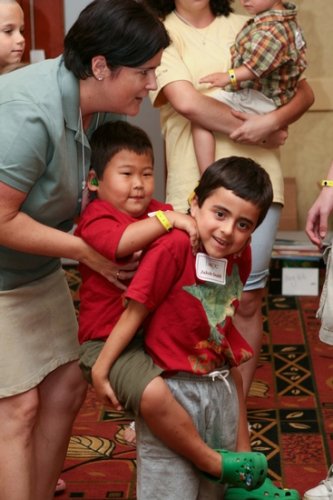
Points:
(268, 58)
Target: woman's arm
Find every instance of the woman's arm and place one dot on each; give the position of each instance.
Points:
(121, 335)
(296, 107)
(218, 117)
(199, 108)
(21, 232)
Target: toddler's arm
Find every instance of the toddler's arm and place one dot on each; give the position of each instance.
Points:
(241, 74)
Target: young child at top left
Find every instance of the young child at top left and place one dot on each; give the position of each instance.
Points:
(117, 224)
(12, 42)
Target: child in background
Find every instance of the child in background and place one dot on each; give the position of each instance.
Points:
(185, 305)
(268, 58)
(317, 224)
(116, 224)
(12, 42)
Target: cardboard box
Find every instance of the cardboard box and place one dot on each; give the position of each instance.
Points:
(289, 215)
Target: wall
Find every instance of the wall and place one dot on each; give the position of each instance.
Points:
(44, 26)
(308, 150)
(72, 8)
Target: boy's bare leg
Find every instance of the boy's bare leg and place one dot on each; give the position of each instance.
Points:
(204, 146)
(171, 423)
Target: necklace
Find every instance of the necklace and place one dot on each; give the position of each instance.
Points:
(202, 31)
(84, 186)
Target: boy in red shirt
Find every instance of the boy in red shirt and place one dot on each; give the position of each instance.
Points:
(110, 223)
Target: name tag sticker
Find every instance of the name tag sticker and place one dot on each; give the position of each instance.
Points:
(299, 40)
(211, 269)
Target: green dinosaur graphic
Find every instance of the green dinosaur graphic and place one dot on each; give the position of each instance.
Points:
(217, 301)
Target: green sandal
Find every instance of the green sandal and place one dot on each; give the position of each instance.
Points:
(267, 491)
(245, 470)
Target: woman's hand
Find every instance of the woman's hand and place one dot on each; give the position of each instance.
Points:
(114, 273)
(317, 219)
(258, 129)
(272, 127)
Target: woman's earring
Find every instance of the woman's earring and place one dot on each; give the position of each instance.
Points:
(100, 78)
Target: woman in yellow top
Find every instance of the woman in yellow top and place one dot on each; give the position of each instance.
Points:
(202, 33)
(48, 112)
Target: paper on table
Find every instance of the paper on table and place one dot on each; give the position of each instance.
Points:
(300, 281)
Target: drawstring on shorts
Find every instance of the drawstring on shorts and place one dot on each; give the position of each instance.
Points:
(220, 375)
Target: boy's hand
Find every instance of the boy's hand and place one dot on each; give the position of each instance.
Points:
(103, 389)
(185, 223)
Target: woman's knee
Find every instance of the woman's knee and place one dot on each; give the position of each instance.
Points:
(78, 394)
(250, 303)
(76, 391)
(65, 388)
(19, 413)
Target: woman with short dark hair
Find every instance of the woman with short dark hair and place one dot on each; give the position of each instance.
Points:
(48, 112)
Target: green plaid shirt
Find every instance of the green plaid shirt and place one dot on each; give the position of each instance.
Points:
(272, 46)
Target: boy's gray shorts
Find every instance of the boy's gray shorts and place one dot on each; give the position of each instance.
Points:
(164, 475)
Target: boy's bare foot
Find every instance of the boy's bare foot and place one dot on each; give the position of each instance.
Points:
(129, 433)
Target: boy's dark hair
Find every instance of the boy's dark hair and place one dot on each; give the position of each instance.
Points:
(164, 7)
(243, 176)
(112, 137)
(125, 32)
